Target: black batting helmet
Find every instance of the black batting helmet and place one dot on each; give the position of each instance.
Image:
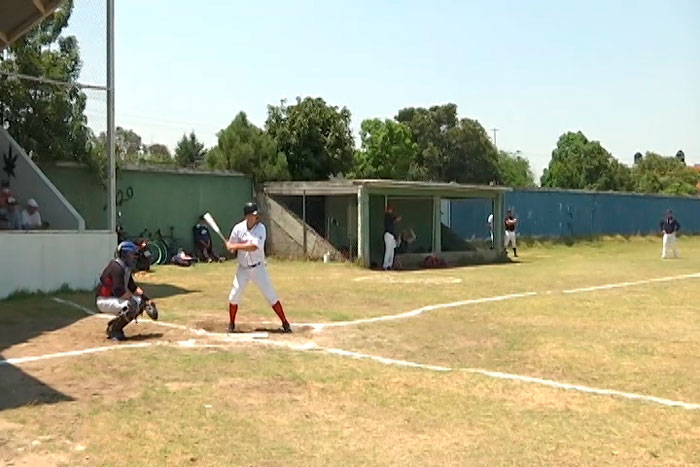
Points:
(250, 208)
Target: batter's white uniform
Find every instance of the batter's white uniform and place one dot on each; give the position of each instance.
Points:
(251, 264)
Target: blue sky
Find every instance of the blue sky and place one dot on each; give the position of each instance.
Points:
(626, 73)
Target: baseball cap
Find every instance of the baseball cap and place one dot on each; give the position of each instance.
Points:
(11, 200)
(32, 203)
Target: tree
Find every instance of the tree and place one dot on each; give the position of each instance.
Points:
(128, 145)
(387, 151)
(46, 119)
(515, 170)
(668, 175)
(189, 151)
(157, 154)
(315, 137)
(246, 148)
(450, 149)
(129, 141)
(578, 163)
(159, 151)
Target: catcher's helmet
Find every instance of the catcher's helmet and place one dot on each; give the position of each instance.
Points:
(127, 247)
(250, 208)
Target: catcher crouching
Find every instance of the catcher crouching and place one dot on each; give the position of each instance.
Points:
(118, 294)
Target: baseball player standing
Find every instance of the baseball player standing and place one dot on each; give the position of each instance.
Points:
(489, 222)
(510, 224)
(669, 227)
(248, 241)
(390, 220)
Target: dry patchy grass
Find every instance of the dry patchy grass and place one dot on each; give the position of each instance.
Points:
(251, 404)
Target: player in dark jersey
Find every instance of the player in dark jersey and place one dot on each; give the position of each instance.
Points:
(510, 224)
(118, 294)
(669, 228)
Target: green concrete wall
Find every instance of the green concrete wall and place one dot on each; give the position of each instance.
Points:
(157, 200)
(79, 186)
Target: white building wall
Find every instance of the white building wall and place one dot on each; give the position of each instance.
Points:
(44, 261)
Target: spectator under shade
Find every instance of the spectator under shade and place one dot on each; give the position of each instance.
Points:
(31, 219)
(14, 219)
(204, 250)
(4, 194)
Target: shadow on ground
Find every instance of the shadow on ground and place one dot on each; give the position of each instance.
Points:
(18, 389)
(27, 317)
(21, 320)
(156, 291)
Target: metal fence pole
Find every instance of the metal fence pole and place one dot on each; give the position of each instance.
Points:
(303, 218)
(111, 162)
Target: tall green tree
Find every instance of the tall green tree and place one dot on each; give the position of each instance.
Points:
(314, 136)
(246, 148)
(387, 151)
(157, 154)
(46, 119)
(578, 163)
(655, 173)
(189, 151)
(515, 170)
(158, 150)
(450, 149)
(128, 145)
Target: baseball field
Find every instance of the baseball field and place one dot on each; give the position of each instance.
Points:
(573, 355)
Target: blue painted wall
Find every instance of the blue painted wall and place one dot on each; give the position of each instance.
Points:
(554, 213)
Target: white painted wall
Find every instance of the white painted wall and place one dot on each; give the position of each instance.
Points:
(30, 182)
(46, 260)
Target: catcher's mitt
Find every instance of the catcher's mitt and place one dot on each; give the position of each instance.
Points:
(151, 310)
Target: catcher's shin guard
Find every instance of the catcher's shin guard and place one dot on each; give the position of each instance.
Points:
(115, 328)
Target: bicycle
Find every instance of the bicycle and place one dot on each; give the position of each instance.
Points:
(157, 253)
(168, 244)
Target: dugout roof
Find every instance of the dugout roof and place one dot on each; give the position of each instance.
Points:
(350, 187)
(18, 16)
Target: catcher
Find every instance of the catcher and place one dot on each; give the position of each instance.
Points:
(118, 294)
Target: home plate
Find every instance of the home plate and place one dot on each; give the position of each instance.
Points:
(244, 336)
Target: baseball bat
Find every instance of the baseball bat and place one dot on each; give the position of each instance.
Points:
(214, 226)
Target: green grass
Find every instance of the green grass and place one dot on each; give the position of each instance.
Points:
(250, 404)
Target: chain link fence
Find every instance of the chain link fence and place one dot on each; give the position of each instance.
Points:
(53, 100)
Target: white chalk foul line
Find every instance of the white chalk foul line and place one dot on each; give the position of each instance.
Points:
(492, 374)
(632, 283)
(408, 314)
(72, 353)
(200, 332)
(191, 343)
(587, 389)
(316, 327)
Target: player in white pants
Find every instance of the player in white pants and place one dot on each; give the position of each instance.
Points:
(248, 241)
(669, 227)
(389, 238)
(510, 224)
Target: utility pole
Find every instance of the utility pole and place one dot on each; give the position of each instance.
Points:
(494, 136)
